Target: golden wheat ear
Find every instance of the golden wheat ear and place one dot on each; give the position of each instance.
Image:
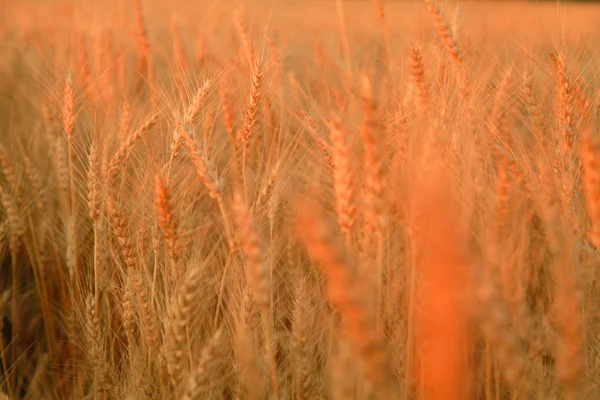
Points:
(344, 290)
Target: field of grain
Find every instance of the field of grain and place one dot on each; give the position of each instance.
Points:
(285, 199)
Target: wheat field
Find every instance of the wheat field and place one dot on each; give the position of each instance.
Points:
(299, 200)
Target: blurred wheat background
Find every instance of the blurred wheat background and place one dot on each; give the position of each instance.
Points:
(299, 200)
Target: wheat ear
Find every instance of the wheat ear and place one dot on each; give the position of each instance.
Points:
(343, 291)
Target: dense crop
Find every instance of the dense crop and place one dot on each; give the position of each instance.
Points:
(298, 200)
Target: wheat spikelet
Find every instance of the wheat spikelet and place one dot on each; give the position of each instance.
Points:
(226, 108)
(343, 179)
(181, 315)
(200, 376)
(125, 121)
(68, 116)
(532, 108)
(94, 200)
(17, 232)
(10, 175)
(128, 314)
(40, 191)
(120, 228)
(418, 75)
(197, 102)
(495, 325)
(207, 176)
(68, 110)
(149, 325)
(301, 341)
(503, 199)
(122, 154)
(271, 117)
(249, 121)
(94, 177)
(569, 363)
(499, 124)
(582, 101)
(267, 193)
(244, 35)
(273, 55)
(190, 115)
(341, 103)
(179, 56)
(344, 36)
(142, 43)
(47, 118)
(207, 133)
(496, 329)
(15, 220)
(252, 106)
(591, 184)
(84, 67)
(374, 218)
(445, 32)
(62, 170)
(167, 222)
(566, 111)
(96, 348)
(321, 143)
(343, 291)
(344, 375)
(251, 385)
(257, 272)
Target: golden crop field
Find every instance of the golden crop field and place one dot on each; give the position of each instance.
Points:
(284, 199)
